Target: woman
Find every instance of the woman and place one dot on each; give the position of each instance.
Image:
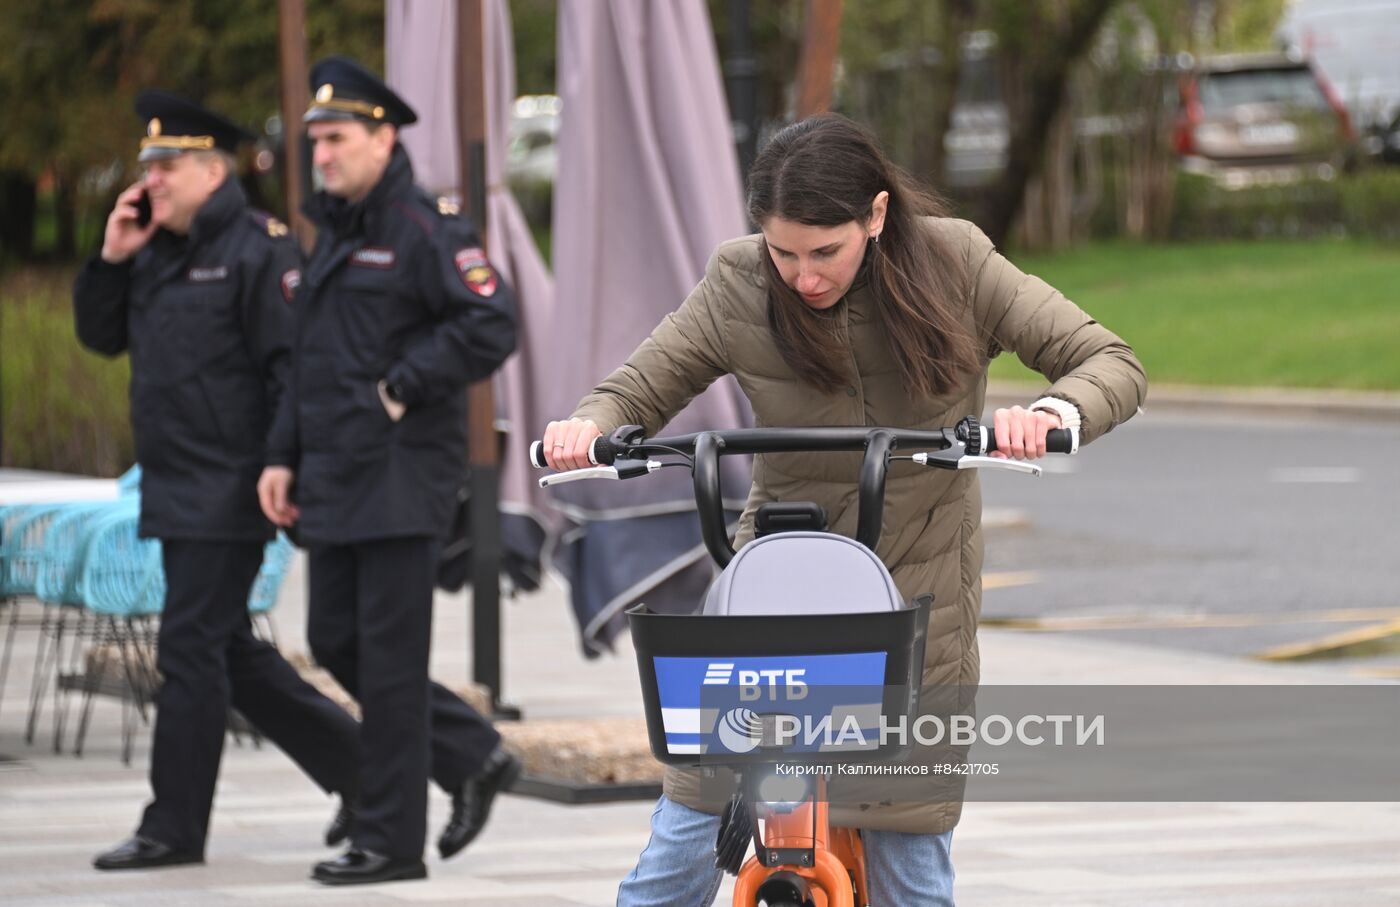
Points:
(860, 303)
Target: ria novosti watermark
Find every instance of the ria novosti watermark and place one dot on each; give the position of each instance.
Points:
(1290, 743)
(788, 730)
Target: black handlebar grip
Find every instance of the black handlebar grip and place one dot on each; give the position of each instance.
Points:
(602, 453)
(1057, 440)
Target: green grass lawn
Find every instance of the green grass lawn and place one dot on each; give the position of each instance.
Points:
(64, 408)
(1315, 314)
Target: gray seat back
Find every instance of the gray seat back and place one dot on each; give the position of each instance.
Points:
(793, 573)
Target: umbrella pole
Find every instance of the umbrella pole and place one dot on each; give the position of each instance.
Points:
(483, 455)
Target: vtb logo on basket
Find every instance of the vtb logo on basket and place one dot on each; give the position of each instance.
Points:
(770, 683)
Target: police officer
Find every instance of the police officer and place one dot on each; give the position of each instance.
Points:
(197, 288)
(397, 312)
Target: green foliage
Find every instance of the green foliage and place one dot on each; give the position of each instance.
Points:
(61, 407)
(73, 67)
(1370, 203)
(877, 34)
(894, 66)
(534, 23)
(1365, 204)
(1248, 25)
(1316, 314)
(1204, 210)
(775, 38)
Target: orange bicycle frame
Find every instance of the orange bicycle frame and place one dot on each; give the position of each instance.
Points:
(837, 870)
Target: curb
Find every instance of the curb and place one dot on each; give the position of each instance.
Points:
(1267, 401)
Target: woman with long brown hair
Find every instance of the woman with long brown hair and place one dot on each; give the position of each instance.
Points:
(860, 303)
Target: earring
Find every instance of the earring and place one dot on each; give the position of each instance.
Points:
(876, 237)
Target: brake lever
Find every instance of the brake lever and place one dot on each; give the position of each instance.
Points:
(575, 475)
(970, 462)
(953, 459)
(623, 469)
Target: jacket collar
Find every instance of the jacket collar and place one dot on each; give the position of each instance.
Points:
(216, 213)
(222, 207)
(344, 218)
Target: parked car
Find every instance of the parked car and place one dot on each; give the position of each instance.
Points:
(1248, 119)
(532, 157)
(534, 128)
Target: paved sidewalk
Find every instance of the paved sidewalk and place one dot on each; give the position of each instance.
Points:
(58, 810)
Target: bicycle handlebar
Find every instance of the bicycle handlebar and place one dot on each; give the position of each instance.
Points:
(604, 452)
(951, 448)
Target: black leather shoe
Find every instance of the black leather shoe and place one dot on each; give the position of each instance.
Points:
(471, 804)
(143, 853)
(344, 820)
(365, 867)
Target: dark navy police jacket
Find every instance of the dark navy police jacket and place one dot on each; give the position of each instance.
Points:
(207, 321)
(397, 289)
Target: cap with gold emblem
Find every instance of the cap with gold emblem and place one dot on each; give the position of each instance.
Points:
(342, 89)
(175, 125)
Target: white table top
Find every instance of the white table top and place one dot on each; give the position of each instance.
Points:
(57, 491)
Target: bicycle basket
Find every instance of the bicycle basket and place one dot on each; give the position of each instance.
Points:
(803, 650)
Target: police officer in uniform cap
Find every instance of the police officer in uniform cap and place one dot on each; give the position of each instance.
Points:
(197, 287)
(398, 310)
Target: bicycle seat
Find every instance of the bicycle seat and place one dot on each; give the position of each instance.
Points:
(796, 573)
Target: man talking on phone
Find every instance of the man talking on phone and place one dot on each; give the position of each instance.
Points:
(197, 288)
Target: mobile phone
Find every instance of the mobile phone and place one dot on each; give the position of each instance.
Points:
(143, 209)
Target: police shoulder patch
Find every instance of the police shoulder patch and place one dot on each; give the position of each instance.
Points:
(290, 281)
(476, 272)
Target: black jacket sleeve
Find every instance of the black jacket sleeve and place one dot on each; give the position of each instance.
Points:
(268, 328)
(475, 331)
(100, 305)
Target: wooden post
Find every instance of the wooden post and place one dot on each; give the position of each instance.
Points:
(482, 454)
(821, 37)
(291, 57)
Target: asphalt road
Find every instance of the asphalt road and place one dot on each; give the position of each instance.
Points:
(1223, 534)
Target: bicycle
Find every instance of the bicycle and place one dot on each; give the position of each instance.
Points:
(807, 637)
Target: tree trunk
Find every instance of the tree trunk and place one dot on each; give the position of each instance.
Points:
(821, 40)
(65, 211)
(1046, 80)
(18, 200)
(1057, 180)
(1150, 170)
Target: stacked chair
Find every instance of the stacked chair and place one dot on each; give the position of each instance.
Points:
(100, 589)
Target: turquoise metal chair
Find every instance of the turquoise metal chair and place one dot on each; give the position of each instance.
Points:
(21, 539)
(64, 555)
(129, 482)
(39, 564)
(27, 554)
(121, 582)
(85, 563)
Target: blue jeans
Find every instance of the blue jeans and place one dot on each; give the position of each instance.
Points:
(677, 868)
